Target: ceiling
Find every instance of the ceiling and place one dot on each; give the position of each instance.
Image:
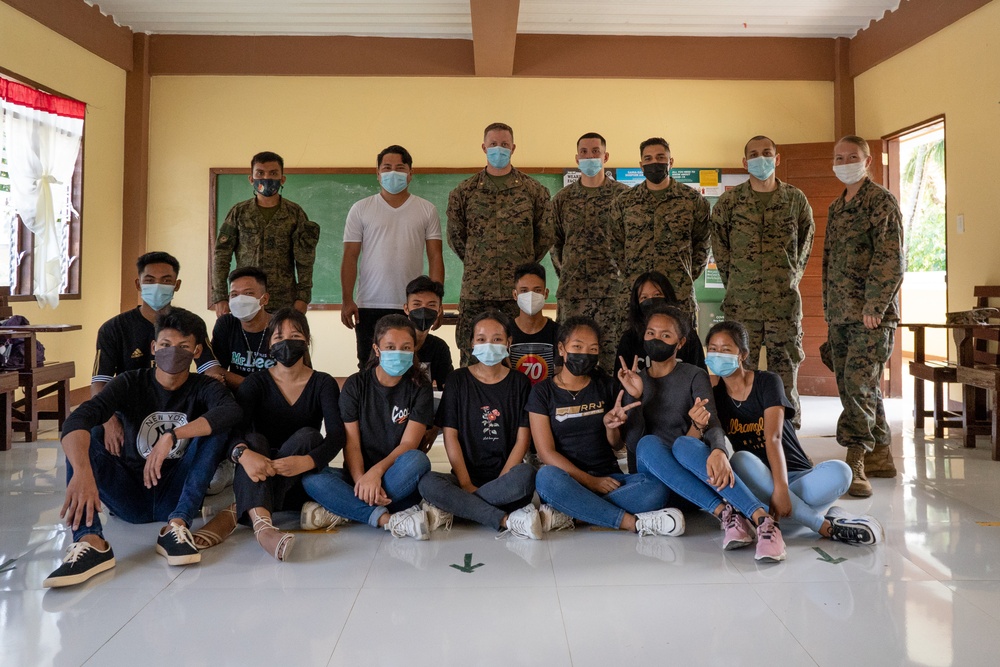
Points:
(452, 18)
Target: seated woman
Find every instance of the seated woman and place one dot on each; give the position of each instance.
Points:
(280, 441)
(486, 437)
(651, 290)
(676, 437)
(386, 409)
(756, 416)
(575, 427)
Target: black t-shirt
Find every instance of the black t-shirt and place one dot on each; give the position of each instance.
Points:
(744, 423)
(124, 344)
(238, 351)
(534, 354)
(268, 413)
(147, 410)
(487, 417)
(383, 412)
(435, 359)
(578, 422)
(631, 346)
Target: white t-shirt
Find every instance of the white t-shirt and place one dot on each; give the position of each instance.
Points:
(392, 241)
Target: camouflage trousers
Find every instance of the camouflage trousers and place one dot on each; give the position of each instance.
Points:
(609, 313)
(858, 357)
(468, 309)
(783, 341)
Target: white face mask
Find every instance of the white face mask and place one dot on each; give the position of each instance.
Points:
(530, 302)
(244, 307)
(849, 174)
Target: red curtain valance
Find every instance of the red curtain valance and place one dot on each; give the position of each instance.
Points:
(26, 96)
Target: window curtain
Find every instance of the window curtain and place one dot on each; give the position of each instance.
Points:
(43, 140)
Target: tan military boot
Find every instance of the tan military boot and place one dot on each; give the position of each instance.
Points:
(878, 463)
(860, 486)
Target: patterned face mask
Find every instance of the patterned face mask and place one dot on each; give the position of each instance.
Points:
(266, 187)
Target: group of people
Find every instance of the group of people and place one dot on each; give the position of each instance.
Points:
(149, 442)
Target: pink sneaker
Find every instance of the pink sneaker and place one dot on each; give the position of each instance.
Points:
(739, 532)
(770, 545)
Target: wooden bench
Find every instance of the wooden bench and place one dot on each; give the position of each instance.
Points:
(979, 372)
(8, 383)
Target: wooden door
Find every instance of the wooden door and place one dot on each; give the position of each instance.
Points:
(809, 168)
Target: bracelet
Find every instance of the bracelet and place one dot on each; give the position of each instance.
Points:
(173, 436)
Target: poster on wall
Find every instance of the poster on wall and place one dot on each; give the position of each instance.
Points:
(571, 176)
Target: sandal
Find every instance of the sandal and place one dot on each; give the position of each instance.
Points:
(275, 542)
(217, 529)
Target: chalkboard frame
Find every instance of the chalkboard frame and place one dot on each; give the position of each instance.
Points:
(215, 172)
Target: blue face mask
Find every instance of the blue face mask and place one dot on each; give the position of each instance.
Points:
(490, 354)
(761, 168)
(157, 296)
(394, 182)
(266, 187)
(721, 364)
(498, 157)
(591, 166)
(395, 362)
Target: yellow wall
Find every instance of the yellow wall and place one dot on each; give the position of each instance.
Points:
(201, 122)
(34, 52)
(955, 72)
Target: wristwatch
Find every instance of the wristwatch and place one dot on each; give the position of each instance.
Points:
(237, 452)
(173, 436)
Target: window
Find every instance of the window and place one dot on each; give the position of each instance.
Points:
(18, 243)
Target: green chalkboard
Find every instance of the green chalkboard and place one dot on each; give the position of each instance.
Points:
(327, 197)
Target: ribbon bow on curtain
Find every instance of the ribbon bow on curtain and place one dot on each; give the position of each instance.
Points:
(43, 133)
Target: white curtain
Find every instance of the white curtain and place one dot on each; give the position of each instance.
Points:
(42, 148)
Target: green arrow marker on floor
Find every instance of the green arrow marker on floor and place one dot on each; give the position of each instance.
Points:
(824, 556)
(468, 567)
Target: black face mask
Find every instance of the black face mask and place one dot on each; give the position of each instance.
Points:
(656, 172)
(580, 364)
(657, 350)
(423, 318)
(288, 352)
(647, 306)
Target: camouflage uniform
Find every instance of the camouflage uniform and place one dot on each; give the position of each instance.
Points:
(494, 230)
(669, 235)
(284, 248)
(588, 257)
(862, 272)
(761, 256)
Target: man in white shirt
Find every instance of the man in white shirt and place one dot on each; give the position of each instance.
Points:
(390, 232)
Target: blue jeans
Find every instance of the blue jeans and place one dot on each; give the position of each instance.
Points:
(683, 468)
(637, 493)
(490, 503)
(333, 488)
(178, 494)
(811, 491)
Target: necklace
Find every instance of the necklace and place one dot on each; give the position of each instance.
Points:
(573, 394)
(260, 344)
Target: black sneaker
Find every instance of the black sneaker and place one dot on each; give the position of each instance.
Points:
(177, 545)
(862, 530)
(82, 561)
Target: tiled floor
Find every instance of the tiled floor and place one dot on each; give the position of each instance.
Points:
(929, 596)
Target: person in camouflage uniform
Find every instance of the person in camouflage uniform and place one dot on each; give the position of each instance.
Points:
(270, 233)
(862, 272)
(587, 253)
(664, 226)
(762, 234)
(497, 220)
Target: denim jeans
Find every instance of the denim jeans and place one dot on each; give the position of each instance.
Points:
(637, 493)
(811, 491)
(683, 468)
(277, 492)
(178, 494)
(490, 503)
(333, 488)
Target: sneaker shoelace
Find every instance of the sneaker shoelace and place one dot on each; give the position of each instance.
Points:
(766, 530)
(730, 518)
(851, 533)
(76, 551)
(182, 535)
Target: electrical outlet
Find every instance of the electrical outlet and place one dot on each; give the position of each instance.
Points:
(960, 224)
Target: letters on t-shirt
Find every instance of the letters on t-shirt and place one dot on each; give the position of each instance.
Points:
(576, 411)
(155, 425)
(400, 415)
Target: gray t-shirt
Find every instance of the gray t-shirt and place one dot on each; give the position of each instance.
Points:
(392, 241)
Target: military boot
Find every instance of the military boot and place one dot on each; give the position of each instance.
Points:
(860, 486)
(878, 463)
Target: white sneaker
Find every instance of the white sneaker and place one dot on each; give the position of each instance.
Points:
(525, 523)
(437, 518)
(222, 478)
(316, 517)
(553, 519)
(864, 530)
(668, 521)
(410, 522)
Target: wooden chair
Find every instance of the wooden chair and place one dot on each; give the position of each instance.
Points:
(50, 378)
(939, 373)
(979, 372)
